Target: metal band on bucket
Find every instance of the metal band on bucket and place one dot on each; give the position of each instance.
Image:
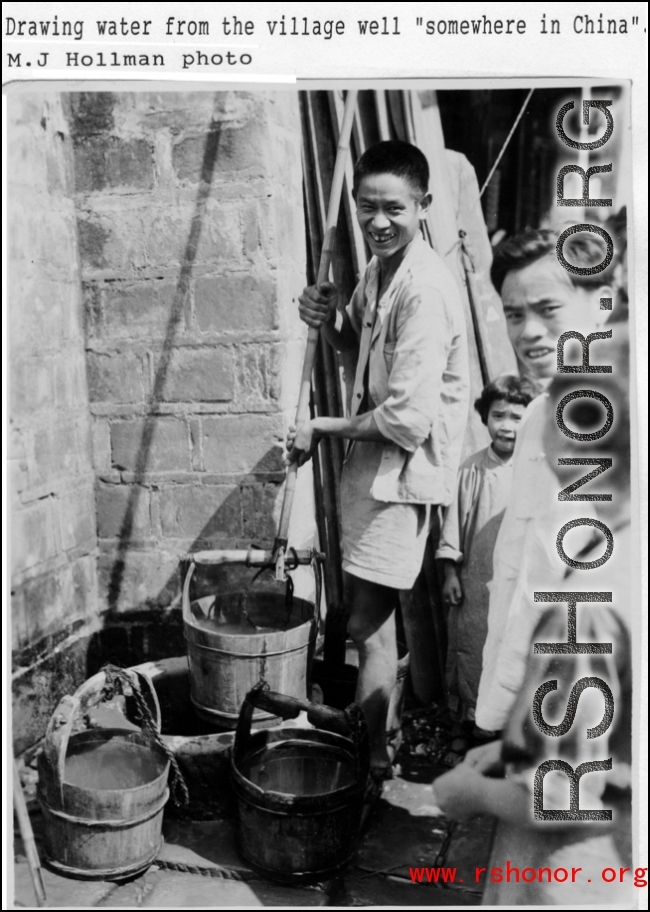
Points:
(220, 713)
(111, 824)
(249, 655)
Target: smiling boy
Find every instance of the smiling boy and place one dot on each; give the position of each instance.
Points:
(541, 301)
(408, 414)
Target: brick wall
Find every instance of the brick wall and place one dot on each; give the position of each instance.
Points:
(191, 235)
(155, 253)
(52, 540)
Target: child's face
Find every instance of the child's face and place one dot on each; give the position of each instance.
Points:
(389, 213)
(502, 420)
(540, 303)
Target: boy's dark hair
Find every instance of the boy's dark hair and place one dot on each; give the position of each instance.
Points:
(518, 390)
(394, 156)
(581, 249)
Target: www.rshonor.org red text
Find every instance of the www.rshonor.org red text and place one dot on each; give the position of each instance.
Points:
(512, 874)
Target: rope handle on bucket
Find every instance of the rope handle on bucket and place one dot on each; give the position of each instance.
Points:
(316, 564)
(116, 676)
(62, 721)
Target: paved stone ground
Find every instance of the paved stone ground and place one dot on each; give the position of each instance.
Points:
(199, 866)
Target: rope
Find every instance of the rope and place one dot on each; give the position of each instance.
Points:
(318, 578)
(461, 233)
(114, 676)
(221, 873)
(442, 851)
(504, 146)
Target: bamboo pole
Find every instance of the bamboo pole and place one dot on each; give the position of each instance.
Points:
(382, 115)
(326, 537)
(302, 411)
(359, 258)
(324, 472)
(27, 834)
(326, 367)
(359, 252)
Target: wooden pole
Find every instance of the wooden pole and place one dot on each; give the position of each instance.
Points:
(302, 411)
(324, 461)
(382, 115)
(357, 247)
(252, 558)
(27, 834)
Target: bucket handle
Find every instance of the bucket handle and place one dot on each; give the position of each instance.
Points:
(316, 561)
(185, 600)
(98, 681)
(350, 722)
(62, 720)
(57, 736)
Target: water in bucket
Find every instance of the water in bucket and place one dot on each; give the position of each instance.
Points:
(114, 764)
(237, 621)
(299, 769)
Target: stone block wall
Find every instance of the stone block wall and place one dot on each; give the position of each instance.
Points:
(52, 532)
(155, 254)
(191, 237)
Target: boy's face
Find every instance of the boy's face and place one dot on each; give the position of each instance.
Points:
(540, 303)
(502, 421)
(389, 212)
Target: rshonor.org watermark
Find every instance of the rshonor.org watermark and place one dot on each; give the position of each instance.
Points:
(512, 874)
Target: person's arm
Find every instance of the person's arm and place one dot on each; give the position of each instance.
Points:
(486, 759)
(463, 793)
(302, 442)
(468, 790)
(452, 591)
(450, 546)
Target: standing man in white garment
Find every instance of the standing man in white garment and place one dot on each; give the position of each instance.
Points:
(541, 301)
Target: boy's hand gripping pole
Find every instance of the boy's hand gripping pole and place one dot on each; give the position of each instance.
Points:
(302, 412)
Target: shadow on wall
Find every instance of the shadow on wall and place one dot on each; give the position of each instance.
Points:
(155, 631)
(182, 290)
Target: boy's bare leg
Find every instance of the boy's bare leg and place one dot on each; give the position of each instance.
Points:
(372, 628)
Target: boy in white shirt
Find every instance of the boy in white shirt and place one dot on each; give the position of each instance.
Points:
(408, 416)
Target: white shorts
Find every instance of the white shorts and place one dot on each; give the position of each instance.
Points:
(381, 542)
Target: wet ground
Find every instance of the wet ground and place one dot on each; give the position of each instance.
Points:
(198, 865)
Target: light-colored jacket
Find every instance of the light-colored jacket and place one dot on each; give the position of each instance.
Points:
(415, 347)
(525, 560)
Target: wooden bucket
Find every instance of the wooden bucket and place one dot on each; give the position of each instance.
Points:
(224, 666)
(97, 833)
(299, 791)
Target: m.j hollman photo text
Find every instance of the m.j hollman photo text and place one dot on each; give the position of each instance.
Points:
(321, 494)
